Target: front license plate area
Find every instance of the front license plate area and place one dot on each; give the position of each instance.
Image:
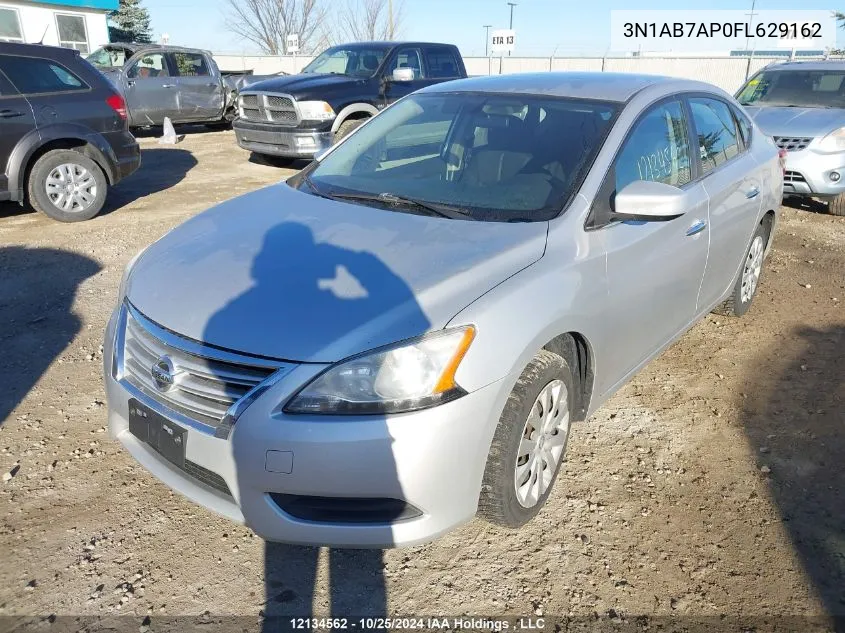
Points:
(166, 437)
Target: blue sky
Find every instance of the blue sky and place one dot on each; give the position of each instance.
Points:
(543, 26)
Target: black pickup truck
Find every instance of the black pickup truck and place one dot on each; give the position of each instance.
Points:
(300, 115)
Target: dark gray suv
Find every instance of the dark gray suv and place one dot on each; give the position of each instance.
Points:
(64, 137)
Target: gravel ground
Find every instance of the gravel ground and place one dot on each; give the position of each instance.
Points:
(711, 488)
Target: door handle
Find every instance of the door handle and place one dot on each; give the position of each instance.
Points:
(752, 193)
(168, 85)
(8, 114)
(130, 82)
(696, 227)
(211, 84)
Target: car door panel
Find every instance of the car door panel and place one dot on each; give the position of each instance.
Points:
(654, 272)
(150, 90)
(16, 121)
(732, 180)
(200, 91)
(654, 268)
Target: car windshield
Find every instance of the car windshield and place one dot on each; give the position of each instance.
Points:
(801, 88)
(355, 61)
(479, 156)
(107, 58)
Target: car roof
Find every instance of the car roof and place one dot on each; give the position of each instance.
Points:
(830, 64)
(386, 44)
(42, 50)
(139, 46)
(585, 85)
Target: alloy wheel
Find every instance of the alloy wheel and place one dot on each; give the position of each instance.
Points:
(71, 187)
(751, 270)
(542, 445)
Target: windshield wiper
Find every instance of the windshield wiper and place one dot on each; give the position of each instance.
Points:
(315, 189)
(441, 210)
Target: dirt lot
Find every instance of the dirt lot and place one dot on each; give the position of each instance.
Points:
(712, 486)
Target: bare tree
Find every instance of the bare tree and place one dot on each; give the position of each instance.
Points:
(267, 23)
(361, 20)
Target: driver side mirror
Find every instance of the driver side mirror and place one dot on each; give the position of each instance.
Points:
(649, 201)
(402, 74)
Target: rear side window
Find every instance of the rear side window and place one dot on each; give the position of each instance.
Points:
(34, 75)
(191, 65)
(744, 125)
(442, 62)
(717, 132)
(657, 149)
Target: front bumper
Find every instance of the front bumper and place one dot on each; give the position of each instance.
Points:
(277, 140)
(808, 173)
(432, 460)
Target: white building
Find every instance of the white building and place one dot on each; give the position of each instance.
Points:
(79, 24)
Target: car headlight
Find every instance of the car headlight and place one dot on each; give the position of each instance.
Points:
(315, 111)
(412, 375)
(121, 292)
(833, 142)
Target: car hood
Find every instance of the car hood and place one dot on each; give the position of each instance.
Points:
(304, 82)
(288, 275)
(801, 122)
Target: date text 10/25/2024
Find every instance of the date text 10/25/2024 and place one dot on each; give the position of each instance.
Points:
(432, 623)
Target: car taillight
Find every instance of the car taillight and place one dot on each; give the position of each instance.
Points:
(117, 104)
(782, 159)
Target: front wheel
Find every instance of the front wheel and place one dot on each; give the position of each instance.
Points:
(67, 186)
(346, 128)
(529, 444)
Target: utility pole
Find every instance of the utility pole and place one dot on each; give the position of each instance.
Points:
(748, 39)
(512, 5)
(390, 16)
(487, 28)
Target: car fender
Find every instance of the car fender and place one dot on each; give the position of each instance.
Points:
(97, 149)
(354, 108)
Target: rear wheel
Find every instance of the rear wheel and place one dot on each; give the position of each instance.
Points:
(746, 284)
(529, 443)
(837, 205)
(67, 186)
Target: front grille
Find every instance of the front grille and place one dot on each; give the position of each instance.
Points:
(793, 176)
(205, 385)
(279, 102)
(792, 144)
(268, 107)
(381, 510)
(282, 116)
(207, 477)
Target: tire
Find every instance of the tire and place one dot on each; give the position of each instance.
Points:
(837, 205)
(58, 166)
(500, 503)
(749, 275)
(346, 128)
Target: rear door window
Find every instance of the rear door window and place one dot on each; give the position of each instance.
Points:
(718, 137)
(35, 75)
(657, 149)
(442, 62)
(191, 65)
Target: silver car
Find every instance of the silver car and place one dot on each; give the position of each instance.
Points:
(400, 336)
(802, 105)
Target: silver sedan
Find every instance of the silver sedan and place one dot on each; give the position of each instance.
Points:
(403, 334)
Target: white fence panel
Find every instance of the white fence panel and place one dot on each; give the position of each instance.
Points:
(728, 73)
